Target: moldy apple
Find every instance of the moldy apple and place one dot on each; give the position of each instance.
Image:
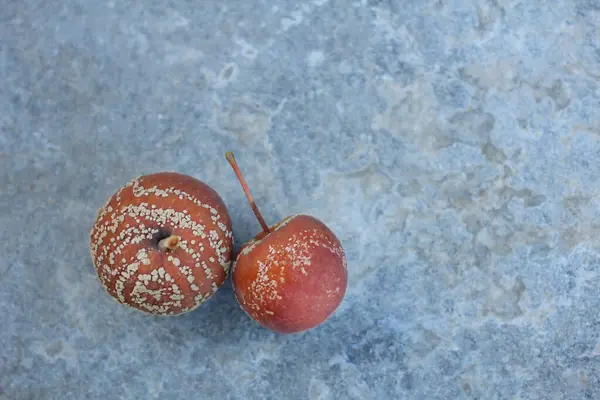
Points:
(292, 276)
(162, 244)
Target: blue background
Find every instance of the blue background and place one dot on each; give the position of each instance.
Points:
(453, 146)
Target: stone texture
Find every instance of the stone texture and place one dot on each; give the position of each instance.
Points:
(452, 145)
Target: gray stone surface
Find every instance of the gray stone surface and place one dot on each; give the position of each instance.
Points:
(452, 145)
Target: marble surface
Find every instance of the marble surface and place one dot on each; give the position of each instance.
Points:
(453, 146)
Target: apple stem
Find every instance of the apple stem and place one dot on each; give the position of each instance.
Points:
(238, 173)
(169, 243)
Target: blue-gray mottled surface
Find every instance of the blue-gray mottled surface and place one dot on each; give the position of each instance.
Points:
(453, 146)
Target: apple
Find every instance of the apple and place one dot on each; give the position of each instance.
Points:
(162, 244)
(292, 276)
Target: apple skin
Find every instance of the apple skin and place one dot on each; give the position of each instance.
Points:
(292, 279)
(124, 243)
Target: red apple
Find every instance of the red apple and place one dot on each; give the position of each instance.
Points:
(292, 276)
(163, 243)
